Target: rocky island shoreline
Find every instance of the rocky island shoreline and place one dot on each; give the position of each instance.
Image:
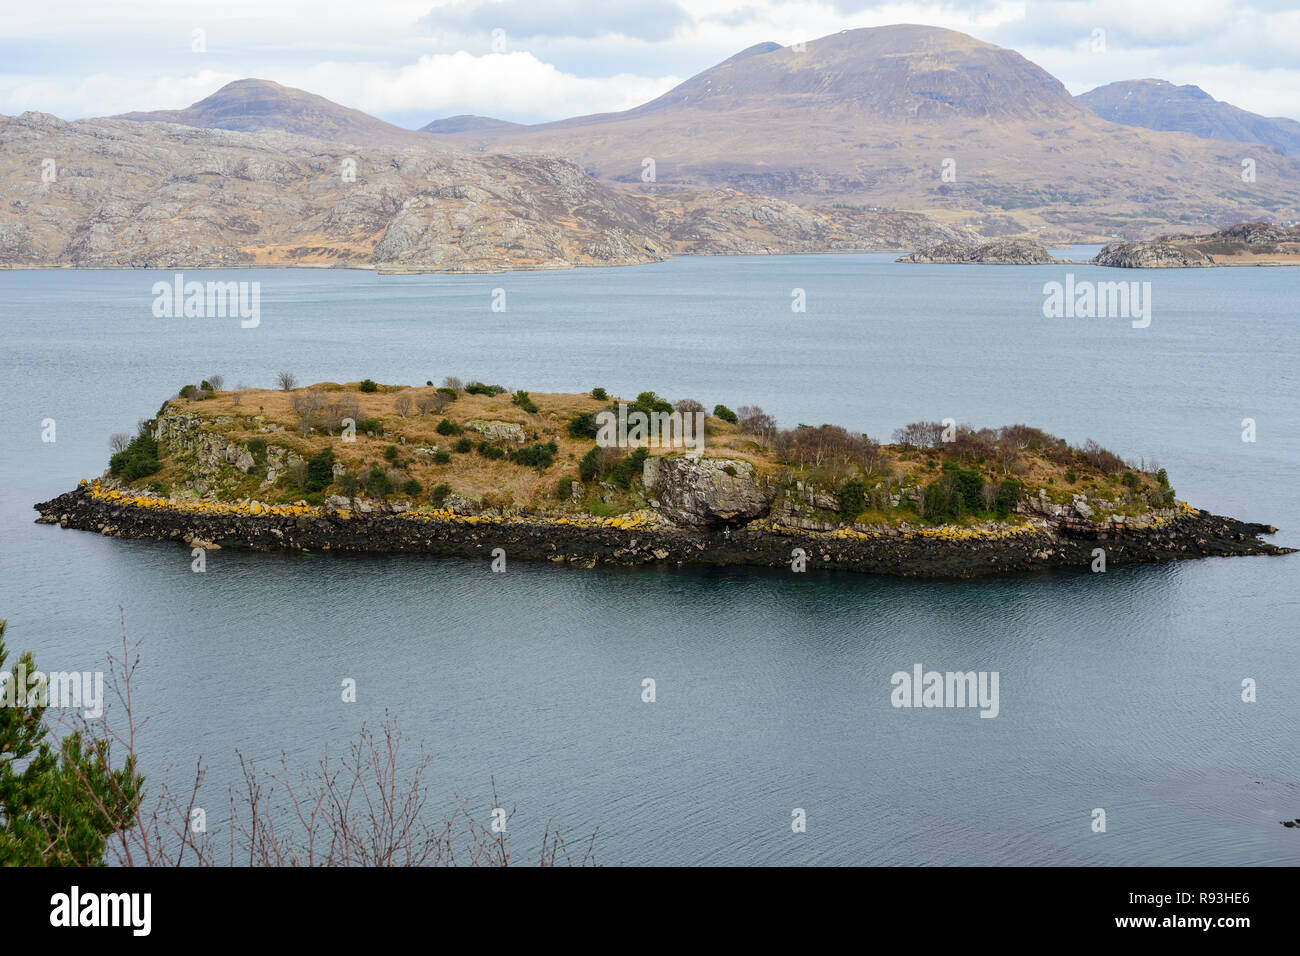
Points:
(465, 470)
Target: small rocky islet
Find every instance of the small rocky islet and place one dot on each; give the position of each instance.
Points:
(1247, 243)
(465, 469)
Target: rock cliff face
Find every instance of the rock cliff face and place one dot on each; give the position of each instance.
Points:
(1005, 252)
(706, 492)
(1151, 255)
(120, 193)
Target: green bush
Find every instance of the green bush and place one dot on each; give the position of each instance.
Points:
(320, 470)
(136, 460)
(521, 399)
(347, 484)
(564, 489)
(376, 482)
(439, 494)
(538, 456)
(968, 485)
(369, 385)
(370, 425)
(257, 448)
(314, 499)
(650, 403)
(853, 499)
(448, 427)
(391, 453)
(599, 394)
(441, 457)
(412, 487)
(629, 467)
(488, 450)
(937, 503)
(464, 446)
(157, 488)
(726, 414)
(1131, 480)
(1071, 475)
(451, 393)
(589, 467)
(1009, 493)
(478, 388)
(583, 425)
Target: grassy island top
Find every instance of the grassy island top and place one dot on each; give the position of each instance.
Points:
(479, 448)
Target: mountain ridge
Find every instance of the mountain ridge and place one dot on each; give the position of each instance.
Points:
(1160, 105)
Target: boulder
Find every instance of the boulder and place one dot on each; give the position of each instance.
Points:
(704, 492)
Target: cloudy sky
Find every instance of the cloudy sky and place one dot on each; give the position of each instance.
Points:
(534, 60)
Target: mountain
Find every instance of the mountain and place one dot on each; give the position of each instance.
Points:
(466, 123)
(252, 105)
(871, 117)
(153, 195)
(1159, 105)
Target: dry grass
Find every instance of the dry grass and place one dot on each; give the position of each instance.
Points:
(475, 477)
(469, 474)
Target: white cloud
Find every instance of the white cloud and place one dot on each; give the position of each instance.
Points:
(429, 58)
(511, 84)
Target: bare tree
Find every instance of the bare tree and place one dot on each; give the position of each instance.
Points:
(989, 495)
(216, 381)
(402, 404)
(118, 441)
(688, 406)
(287, 381)
(452, 382)
(433, 401)
(1006, 455)
(752, 420)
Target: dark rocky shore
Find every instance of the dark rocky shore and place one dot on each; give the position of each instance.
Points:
(1037, 545)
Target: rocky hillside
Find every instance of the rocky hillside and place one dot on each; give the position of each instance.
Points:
(1247, 243)
(117, 193)
(920, 118)
(1159, 105)
(1005, 252)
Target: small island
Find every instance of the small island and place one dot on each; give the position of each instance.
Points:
(994, 252)
(587, 479)
(1245, 244)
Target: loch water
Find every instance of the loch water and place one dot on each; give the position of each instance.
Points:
(1120, 691)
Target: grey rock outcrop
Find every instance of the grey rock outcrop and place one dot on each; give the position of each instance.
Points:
(1151, 255)
(497, 431)
(706, 491)
(1003, 252)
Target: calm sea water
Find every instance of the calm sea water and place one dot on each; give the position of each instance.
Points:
(1120, 691)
